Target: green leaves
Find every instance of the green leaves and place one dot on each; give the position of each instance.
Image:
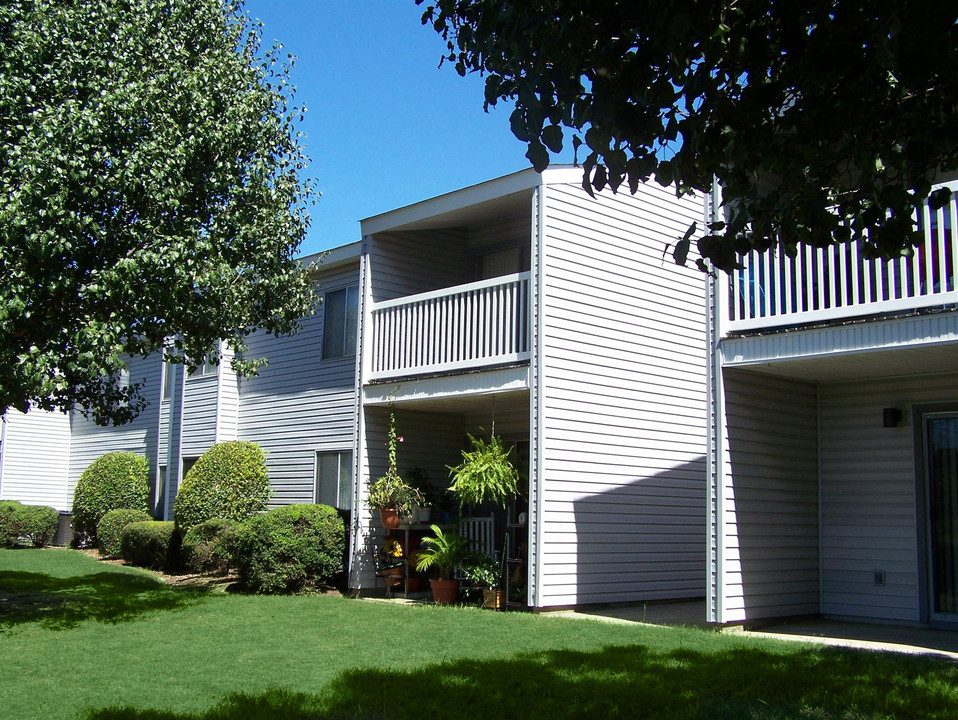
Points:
(486, 474)
(150, 194)
(806, 113)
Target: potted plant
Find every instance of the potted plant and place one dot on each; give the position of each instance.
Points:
(486, 574)
(446, 552)
(486, 474)
(418, 480)
(390, 494)
(389, 562)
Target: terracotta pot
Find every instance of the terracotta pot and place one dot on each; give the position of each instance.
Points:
(389, 518)
(444, 592)
(416, 584)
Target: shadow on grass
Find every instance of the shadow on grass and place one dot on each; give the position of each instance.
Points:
(61, 603)
(627, 681)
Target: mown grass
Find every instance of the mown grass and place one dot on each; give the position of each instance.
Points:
(79, 639)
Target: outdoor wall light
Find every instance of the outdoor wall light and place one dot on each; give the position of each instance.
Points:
(890, 417)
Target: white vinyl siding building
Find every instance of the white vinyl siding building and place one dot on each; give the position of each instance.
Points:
(583, 345)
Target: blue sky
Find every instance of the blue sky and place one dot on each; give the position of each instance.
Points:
(385, 126)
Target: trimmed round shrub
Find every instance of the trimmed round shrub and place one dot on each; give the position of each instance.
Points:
(109, 528)
(290, 548)
(114, 481)
(207, 546)
(154, 544)
(27, 525)
(228, 481)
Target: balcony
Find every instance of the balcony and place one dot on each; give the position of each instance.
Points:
(472, 326)
(837, 283)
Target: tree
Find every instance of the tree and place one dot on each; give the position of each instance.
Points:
(150, 195)
(823, 121)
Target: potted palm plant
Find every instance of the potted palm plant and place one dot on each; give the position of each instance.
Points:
(446, 552)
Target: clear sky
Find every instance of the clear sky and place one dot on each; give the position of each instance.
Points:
(385, 125)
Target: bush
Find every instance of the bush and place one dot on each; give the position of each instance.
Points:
(228, 481)
(207, 546)
(112, 482)
(153, 544)
(109, 528)
(290, 548)
(26, 525)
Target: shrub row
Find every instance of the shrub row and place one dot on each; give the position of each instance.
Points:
(26, 525)
(288, 549)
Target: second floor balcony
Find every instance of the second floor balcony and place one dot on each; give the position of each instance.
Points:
(477, 325)
(836, 283)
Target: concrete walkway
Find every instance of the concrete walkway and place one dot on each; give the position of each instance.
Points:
(889, 638)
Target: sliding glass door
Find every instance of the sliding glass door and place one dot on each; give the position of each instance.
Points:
(941, 453)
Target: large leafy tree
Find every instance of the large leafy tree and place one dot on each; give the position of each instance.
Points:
(823, 120)
(150, 196)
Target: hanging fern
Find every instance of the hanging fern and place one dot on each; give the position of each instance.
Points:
(485, 474)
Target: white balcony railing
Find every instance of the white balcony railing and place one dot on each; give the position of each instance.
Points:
(468, 326)
(838, 282)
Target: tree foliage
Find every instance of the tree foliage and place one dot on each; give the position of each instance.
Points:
(150, 194)
(823, 120)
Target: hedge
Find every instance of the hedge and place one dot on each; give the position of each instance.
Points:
(290, 548)
(110, 527)
(207, 546)
(153, 544)
(228, 481)
(26, 525)
(114, 481)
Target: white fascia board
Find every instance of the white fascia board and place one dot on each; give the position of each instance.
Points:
(335, 256)
(451, 202)
(562, 175)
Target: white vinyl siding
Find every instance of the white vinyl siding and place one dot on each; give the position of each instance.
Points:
(90, 441)
(623, 404)
(770, 498)
(227, 404)
(869, 495)
(409, 263)
(199, 414)
(299, 404)
(35, 458)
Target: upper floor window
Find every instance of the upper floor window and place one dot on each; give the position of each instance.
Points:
(340, 322)
(169, 375)
(205, 367)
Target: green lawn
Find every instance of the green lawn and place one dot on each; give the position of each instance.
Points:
(81, 639)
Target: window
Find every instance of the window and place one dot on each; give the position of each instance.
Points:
(334, 479)
(169, 376)
(188, 463)
(340, 321)
(206, 367)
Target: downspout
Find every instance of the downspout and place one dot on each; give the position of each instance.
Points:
(354, 571)
(169, 445)
(537, 394)
(3, 448)
(715, 459)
